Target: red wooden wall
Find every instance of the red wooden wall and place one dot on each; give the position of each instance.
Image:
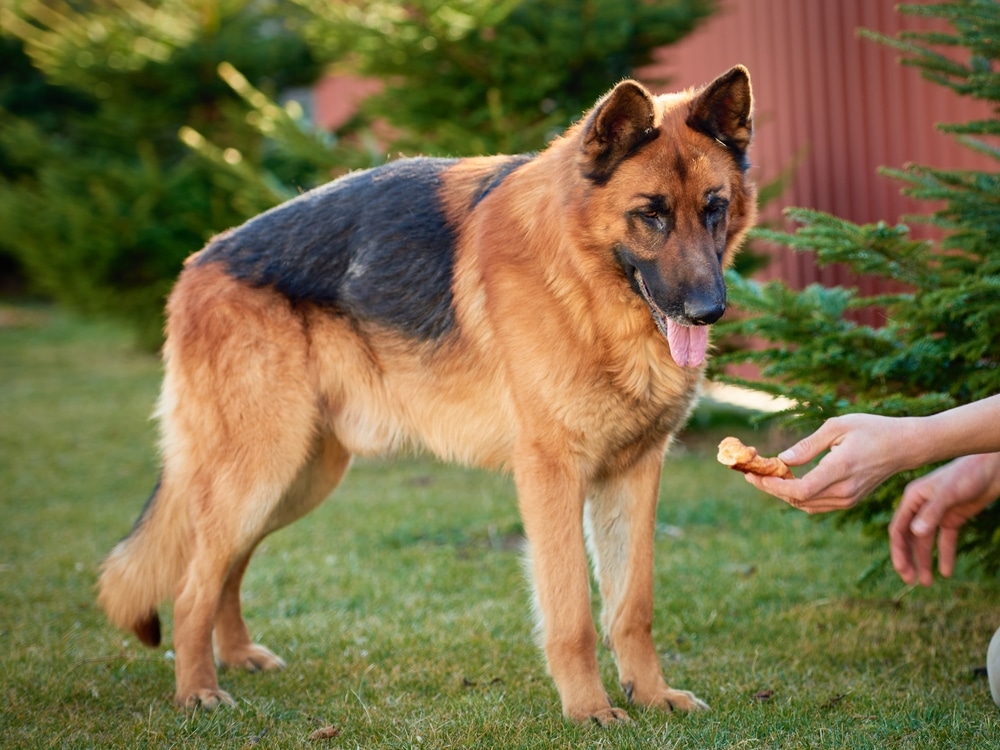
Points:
(842, 104)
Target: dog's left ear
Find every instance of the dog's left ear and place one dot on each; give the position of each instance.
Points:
(724, 110)
(618, 126)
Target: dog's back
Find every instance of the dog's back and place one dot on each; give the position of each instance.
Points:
(373, 246)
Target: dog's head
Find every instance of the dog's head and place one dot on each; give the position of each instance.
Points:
(669, 197)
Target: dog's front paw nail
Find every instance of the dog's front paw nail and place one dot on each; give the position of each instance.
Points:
(208, 699)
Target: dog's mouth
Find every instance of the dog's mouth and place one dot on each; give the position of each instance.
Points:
(688, 344)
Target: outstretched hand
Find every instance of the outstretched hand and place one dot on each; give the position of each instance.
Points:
(864, 450)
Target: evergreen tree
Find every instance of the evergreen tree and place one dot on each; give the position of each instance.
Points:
(468, 77)
(939, 345)
(25, 93)
(99, 200)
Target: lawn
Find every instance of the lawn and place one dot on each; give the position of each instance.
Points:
(401, 608)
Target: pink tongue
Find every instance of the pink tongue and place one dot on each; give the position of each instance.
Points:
(688, 344)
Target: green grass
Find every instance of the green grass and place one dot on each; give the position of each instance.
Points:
(401, 608)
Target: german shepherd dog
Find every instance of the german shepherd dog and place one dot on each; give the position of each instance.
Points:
(545, 314)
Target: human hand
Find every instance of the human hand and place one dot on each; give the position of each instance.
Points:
(943, 499)
(864, 450)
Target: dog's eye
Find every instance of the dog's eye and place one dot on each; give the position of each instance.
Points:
(716, 209)
(653, 212)
(654, 219)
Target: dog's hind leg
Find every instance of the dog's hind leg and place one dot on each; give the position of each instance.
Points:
(195, 607)
(621, 524)
(249, 503)
(242, 433)
(228, 518)
(233, 645)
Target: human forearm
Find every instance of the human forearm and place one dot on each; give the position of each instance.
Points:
(965, 430)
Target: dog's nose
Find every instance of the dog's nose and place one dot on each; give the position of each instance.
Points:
(704, 312)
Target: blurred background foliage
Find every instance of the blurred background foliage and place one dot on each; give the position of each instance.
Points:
(99, 199)
(133, 130)
(471, 77)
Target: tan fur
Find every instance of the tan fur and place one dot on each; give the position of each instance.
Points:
(555, 372)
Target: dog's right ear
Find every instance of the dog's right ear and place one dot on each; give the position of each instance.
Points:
(618, 126)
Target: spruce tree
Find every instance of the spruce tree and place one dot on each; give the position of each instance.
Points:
(939, 344)
(25, 94)
(472, 77)
(100, 201)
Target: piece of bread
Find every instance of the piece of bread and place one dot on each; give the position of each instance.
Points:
(734, 454)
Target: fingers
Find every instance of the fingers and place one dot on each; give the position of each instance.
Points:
(928, 506)
(902, 561)
(922, 550)
(947, 545)
(848, 471)
(799, 494)
(901, 544)
(932, 508)
(911, 537)
(780, 488)
(936, 504)
(912, 555)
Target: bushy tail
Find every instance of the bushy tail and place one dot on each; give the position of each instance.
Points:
(144, 567)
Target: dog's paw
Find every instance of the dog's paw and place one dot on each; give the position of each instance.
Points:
(663, 697)
(252, 657)
(609, 716)
(604, 715)
(680, 700)
(206, 698)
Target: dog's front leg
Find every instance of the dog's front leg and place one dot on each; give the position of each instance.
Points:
(621, 523)
(551, 495)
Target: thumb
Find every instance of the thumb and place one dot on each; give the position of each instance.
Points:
(807, 448)
(927, 518)
(929, 506)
